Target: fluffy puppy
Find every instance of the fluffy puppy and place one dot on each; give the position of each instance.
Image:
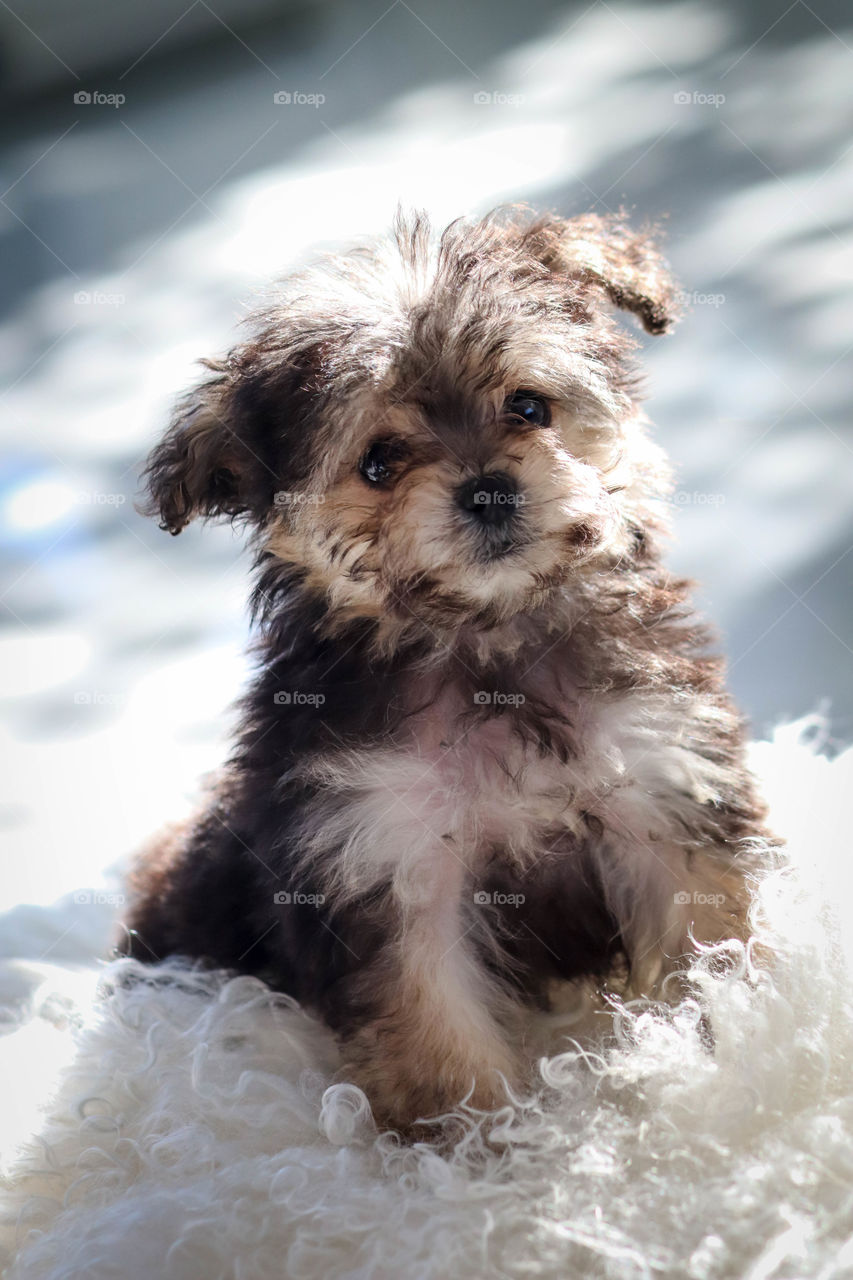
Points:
(486, 751)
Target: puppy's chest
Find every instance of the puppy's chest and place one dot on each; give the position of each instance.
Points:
(503, 773)
(493, 777)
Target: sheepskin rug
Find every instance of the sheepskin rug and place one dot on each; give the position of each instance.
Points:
(190, 1130)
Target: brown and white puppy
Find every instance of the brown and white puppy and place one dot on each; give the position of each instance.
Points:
(486, 751)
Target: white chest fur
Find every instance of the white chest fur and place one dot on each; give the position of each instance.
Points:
(462, 786)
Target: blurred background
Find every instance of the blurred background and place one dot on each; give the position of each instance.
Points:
(159, 163)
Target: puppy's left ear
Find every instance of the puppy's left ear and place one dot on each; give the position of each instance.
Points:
(204, 466)
(603, 253)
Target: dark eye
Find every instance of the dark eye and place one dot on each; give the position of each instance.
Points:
(532, 409)
(381, 460)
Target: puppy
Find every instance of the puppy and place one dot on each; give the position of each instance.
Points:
(487, 752)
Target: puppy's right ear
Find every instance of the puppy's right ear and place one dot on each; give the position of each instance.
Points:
(201, 467)
(604, 255)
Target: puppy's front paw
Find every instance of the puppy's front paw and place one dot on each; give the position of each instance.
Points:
(406, 1085)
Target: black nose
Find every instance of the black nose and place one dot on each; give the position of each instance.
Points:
(494, 499)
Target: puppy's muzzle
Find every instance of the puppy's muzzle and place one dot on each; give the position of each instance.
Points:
(491, 502)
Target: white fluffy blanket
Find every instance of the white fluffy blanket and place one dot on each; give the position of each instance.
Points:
(191, 1133)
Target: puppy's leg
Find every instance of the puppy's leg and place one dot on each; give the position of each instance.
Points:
(690, 898)
(195, 891)
(437, 1027)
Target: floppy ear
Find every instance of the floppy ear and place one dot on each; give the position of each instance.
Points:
(202, 466)
(603, 253)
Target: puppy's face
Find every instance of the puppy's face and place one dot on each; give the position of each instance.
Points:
(442, 431)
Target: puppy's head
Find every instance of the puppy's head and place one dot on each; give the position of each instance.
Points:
(442, 430)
